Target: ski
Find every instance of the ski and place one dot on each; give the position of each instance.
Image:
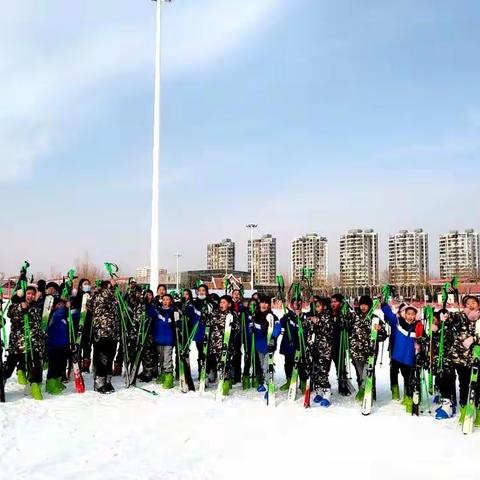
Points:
(292, 390)
(224, 357)
(271, 364)
(143, 330)
(417, 372)
(309, 385)
(471, 407)
(179, 328)
(47, 309)
(368, 384)
(203, 362)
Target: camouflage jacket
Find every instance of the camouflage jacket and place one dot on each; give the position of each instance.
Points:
(217, 330)
(105, 319)
(462, 328)
(359, 334)
(17, 328)
(320, 336)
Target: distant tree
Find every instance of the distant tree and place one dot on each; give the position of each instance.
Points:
(84, 268)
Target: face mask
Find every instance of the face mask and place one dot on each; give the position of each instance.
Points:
(86, 288)
(202, 297)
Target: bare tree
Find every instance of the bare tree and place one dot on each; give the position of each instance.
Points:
(84, 268)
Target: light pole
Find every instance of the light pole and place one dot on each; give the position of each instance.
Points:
(251, 227)
(178, 255)
(156, 153)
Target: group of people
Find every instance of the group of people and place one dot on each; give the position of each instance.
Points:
(151, 334)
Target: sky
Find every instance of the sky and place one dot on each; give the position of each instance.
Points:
(301, 116)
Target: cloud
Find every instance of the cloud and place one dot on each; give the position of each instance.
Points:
(45, 68)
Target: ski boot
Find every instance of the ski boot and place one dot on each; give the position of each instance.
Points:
(160, 379)
(168, 381)
(227, 385)
(52, 387)
(108, 385)
(285, 386)
(145, 377)
(326, 395)
(246, 382)
(462, 415)
(21, 378)
(477, 418)
(445, 410)
(395, 392)
(360, 394)
(318, 395)
(99, 384)
(261, 388)
(85, 368)
(408, 403)
(343, 389)
(117, 369)
(36, 391)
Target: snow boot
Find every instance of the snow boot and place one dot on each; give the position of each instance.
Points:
(85, 367)
(160, 379)
(227, 385)
(60, 383)
(343, 387)
(360, 394)
(326, 395)
(395, 392)
(408, 404)
(36, 391)
(462, 415)
(285, 386)
(117, 369)
(261, 388)
(52, 387)
(446, 410)
(168, 381)
(145, 377)
(21, 378)
(45, 365)
(246, 382)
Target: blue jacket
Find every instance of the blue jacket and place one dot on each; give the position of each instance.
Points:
(402, 338)
(200, 309)
(288, 323)
(163, 325)
(57, 330)
(259, 325)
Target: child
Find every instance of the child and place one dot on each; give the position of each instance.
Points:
(25, 352)
(458, 358)
(403, 349)
(360, 331)
(164, 320)
(320, 330)
(215, 345)
(289, 324)
(58, 347)
(106, 334)
(260, 323)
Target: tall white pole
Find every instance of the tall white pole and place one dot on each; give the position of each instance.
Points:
(251, 226)
(156, 156)
(178, 255)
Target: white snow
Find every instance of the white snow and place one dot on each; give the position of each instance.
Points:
(133, 435)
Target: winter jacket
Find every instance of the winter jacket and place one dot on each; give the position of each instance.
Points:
(360, 332)
(258, 324)
(320, 336)
(164, 324)
(402, 337)
(105, 317)
(203, 310)
(289, 325)
(18, 315)
(462, 328)
(217, 331)
(58, 329)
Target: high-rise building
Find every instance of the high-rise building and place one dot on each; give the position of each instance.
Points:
(264, 260)
(142, 275)
(460, 254)
(221, 256)
(310, 251)
(359, 258)
(408, 257)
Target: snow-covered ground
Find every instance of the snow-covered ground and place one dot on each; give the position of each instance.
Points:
(132, 434)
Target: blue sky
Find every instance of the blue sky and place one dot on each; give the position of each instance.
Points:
(301, 116)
